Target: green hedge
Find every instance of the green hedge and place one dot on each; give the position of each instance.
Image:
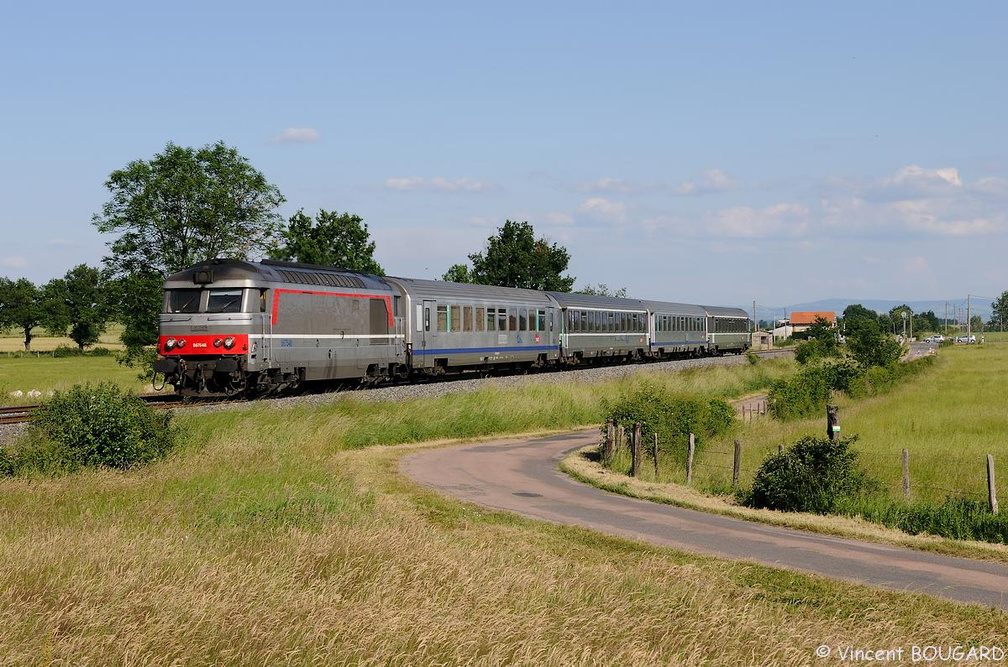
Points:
(97, 426)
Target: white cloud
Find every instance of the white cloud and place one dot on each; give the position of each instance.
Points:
(613, 185)
(922, 202)
(604, 210)
(298, 135)
(712, 180)
(14, 261)
(437, 184)
(778, 220)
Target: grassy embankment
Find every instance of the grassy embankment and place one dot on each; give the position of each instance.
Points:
(287, 535)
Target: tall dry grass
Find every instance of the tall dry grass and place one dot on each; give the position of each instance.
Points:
(277, 536)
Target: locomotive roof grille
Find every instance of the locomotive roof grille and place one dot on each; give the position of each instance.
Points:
(321, 278)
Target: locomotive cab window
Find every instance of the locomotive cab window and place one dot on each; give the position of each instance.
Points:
(182, 301)
(224, 301)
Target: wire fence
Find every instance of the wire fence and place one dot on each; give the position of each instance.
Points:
(977, 477)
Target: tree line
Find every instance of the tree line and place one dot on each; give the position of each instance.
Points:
(187, 205)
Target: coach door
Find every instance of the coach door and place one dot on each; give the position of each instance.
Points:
(428, 322)
(265, 351)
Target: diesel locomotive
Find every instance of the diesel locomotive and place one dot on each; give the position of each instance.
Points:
(231, 328)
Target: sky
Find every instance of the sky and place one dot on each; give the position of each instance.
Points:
(719, 153)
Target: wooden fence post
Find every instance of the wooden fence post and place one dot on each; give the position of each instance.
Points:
(833, 422)
(689, 458)
(991, 489)
(635, 451)
(607, 447)
(906, 474)
(737, 465)
(656, 457)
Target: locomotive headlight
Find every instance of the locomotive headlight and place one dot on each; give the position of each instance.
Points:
(180, 343)
(169, 344)
(229, 342)
(217, 342)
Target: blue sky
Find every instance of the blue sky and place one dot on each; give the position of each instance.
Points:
(704, 152)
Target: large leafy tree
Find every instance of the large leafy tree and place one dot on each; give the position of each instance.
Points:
(999, 316)
(514, 258)
(870, 345)
(78, 300)
(20, 306)
(331, 239)
(183, 206)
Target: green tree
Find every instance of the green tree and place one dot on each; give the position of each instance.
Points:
(1000, 312)
(514, 258)
(856, 311)
(870, 346)
(78, 300)
(902, 317)
(331, 239)
(603, 290)
(458, 273)
(821, 342)
(181, 207)
(20, 306)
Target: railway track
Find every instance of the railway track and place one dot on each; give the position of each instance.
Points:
(19, 414)
(15, 414)
(22, 413)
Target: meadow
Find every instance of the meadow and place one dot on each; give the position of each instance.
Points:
(286, 534)
(43, 371)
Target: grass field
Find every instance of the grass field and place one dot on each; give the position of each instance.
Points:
(949, 419)
(47, 374)
(12, 340)
(287, 535)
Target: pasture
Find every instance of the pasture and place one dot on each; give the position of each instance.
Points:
(286, 534)
(948, 419)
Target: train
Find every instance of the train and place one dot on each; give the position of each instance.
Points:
(230, 328)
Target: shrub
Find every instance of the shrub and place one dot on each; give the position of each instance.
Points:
(92, 426)
(64, 351)
(803, 395)
(843, 375)
(672, 417)
(814, 475)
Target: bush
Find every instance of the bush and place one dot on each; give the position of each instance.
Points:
(814, 475)
(843, 375)
(803, 395)
(91, 426)
(672, 417)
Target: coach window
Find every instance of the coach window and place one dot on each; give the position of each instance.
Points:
(512, 319)
(467, 323)
(455, 318)
(541, 320)
(502, 319)
(480, 318)
(442, 317)
(522, 319)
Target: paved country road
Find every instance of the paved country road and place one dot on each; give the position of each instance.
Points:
(521, 476)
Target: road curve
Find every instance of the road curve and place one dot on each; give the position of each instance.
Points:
(522, 476)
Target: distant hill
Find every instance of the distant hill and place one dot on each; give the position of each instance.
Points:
(978, 306)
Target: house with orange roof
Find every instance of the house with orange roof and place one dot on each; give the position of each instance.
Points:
(802, 320)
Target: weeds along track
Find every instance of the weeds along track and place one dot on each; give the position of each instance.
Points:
(18, 414)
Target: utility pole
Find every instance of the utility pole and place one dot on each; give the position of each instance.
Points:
(969, 324)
